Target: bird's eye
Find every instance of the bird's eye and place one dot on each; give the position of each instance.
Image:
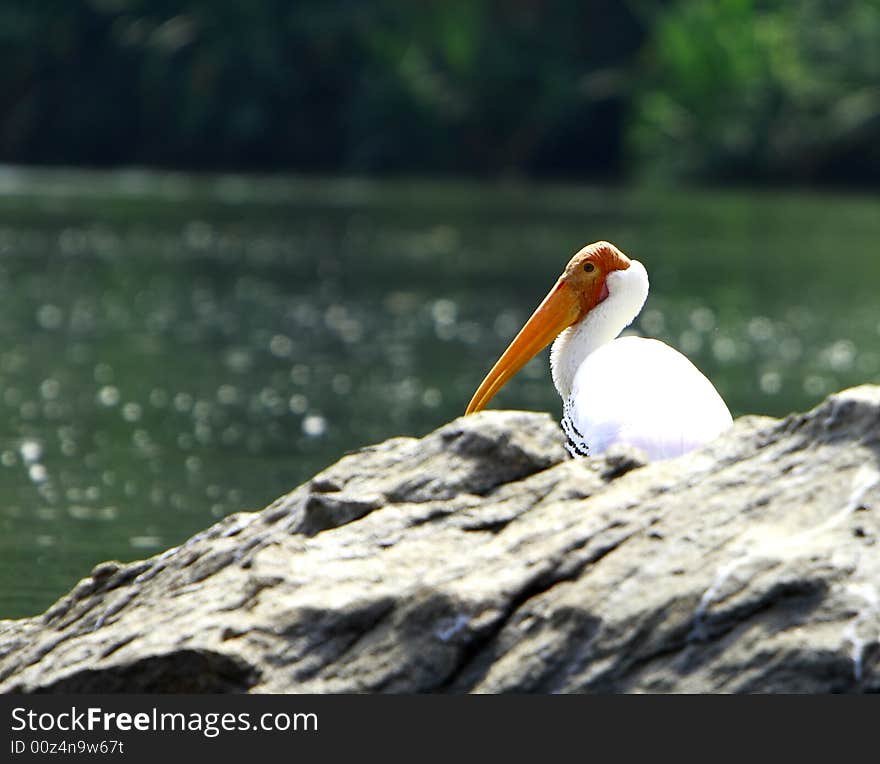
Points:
(589, 267)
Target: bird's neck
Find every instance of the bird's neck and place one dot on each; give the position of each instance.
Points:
(627, 292)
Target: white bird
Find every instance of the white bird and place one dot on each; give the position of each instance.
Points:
(628, 390)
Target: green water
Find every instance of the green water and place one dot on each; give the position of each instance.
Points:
(176, 348)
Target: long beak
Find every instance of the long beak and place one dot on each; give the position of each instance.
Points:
(558, 310)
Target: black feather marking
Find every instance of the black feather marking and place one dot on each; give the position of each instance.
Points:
(574, 441)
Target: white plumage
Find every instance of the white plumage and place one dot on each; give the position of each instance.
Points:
(626, 390)
(643, 393)
(631, 390)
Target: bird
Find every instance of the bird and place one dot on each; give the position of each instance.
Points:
(629, 390)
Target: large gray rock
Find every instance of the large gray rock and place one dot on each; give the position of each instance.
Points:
(481, 559)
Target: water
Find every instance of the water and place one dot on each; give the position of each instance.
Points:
(179, 348)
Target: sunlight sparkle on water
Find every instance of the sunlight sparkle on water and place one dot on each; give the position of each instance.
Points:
(314, 425)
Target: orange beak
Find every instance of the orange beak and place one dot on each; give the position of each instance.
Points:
(561, 308)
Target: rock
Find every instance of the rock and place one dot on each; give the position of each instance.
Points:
(480, 559)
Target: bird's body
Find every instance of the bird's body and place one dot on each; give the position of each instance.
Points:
(626, 390)
(672, 412)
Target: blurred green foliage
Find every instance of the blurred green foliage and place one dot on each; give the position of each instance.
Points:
(715, 90)
(753, 89)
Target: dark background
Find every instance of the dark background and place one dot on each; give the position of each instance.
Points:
(732, 90)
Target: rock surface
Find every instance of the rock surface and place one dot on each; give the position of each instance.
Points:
(481, 559)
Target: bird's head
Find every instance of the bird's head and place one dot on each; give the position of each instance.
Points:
(582, 286)
(584, 283)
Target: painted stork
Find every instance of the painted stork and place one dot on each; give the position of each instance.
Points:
(614, 389)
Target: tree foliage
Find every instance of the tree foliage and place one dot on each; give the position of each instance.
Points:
(761, 88)
(730, 88)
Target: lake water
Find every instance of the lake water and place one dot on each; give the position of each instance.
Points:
(178, 348)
